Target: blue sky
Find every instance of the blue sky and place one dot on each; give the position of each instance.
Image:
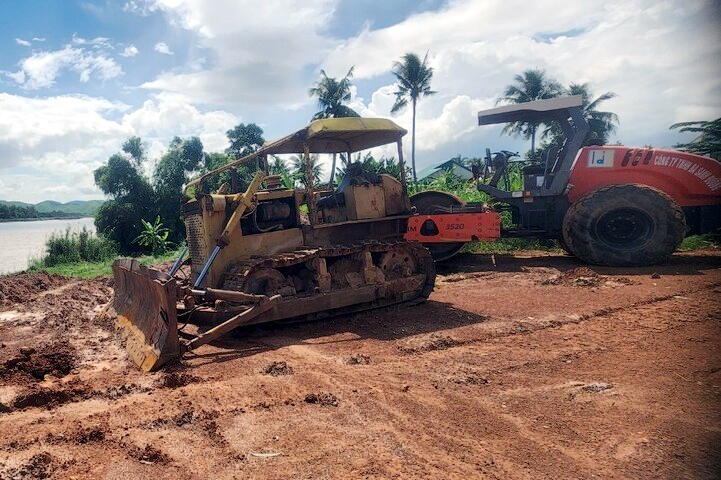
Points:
(79, 77)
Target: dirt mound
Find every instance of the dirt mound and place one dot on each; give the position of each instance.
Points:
(39, 466)
(21, 287)
(148, 454)
(56, 359)
(278, 368)
(81, 436)
(585, 277)
(580, 277)
(76, 305)
(49, 397)
(178, 379)
(470, 378)
(427, 344)
(324, 399)
(358, 359)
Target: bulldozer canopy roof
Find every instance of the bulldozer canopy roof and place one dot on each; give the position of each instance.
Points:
(538, 111)
(338, 135)
(328, 135)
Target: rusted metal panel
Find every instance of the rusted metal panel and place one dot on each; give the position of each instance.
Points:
(365, 201)
(145, 304)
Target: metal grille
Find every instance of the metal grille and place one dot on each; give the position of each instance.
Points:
(196, 241)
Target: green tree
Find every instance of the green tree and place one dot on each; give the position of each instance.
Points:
(602, 124)
(331, 95)
(708, 141)
(298, 168)
(278, 166)
(131, 199)
(9, 211)
(244, 140)
(368, 163)
(183, 157)
(529, 86)
(134, 147)
(414, 81)
(215, 160)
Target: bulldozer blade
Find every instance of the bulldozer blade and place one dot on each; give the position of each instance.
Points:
(147, 319)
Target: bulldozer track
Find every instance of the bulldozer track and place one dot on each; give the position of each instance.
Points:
(238, 274)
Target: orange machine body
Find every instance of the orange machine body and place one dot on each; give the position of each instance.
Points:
(454, 227)
(691, 180)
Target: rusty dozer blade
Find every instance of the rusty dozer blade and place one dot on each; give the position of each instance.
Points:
(147, 319)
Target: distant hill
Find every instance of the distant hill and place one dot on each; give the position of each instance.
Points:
(48, 208)
(16, 204)
(77, 207)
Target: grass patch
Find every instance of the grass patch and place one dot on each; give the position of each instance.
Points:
(700, 242)
(77, 269)
(99, 269)
(506, 245)
(81, 254)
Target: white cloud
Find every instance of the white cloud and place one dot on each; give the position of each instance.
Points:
(259, 49)
(31, 128)
(660, 58)
(38, 39)
(162, 47)
(22, 42)
(50, 147)
(167, 115)
(97, 42)
(260, 58)
(41, 69)
(55, 141)
(129, 51)
(141, 7)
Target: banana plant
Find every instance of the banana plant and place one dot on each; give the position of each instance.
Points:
(155, 236)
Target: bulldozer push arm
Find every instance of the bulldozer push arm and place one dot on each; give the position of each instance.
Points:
(243, 202)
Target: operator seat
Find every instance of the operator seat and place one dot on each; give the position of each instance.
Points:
(354, 175)
(547, 163)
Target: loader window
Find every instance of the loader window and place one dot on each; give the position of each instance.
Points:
(550, 156)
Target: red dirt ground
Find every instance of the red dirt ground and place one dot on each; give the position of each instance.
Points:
(519, 366)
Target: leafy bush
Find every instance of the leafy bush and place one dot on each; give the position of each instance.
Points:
(155, 236)
(700, 242)
(75, 246)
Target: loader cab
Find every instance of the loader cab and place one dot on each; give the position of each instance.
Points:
(537, 208)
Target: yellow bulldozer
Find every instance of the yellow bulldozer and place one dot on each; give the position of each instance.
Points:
(271, 253)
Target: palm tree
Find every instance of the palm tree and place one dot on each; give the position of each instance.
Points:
(602, 124)
(414, 81)
(332, 94)
(708, 141)
(529, 86)
(298, 165)
(278, 166)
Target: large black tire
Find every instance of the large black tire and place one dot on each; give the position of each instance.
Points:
(434, 201)
(624, 225)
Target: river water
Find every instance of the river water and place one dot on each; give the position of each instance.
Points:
(22, 241)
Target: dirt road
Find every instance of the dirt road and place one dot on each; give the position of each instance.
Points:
(527, 366)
